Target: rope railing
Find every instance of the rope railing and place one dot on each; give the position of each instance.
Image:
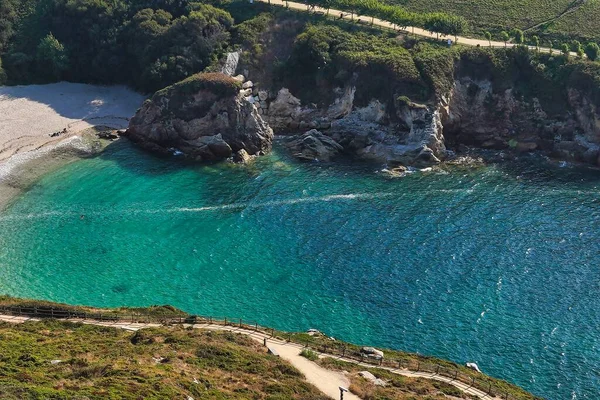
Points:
(337, 349)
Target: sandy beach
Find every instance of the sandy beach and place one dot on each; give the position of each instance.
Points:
(41, 124)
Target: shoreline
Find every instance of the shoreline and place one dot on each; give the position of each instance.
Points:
(45, 127)
(19, 172)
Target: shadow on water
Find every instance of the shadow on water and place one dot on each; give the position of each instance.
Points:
(539, 170)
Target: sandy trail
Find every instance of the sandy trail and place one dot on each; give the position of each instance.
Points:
(29, 115)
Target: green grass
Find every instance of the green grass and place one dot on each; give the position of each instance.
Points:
(166, 363)
(397, 386)
(498, 15)
(309, 354)
(26, 351)
(583, 23)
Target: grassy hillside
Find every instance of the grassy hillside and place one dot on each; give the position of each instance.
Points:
(176, 362)
(583, 23)
(166, 363)
(498, 15)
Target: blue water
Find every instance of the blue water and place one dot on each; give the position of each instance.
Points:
(496, 265)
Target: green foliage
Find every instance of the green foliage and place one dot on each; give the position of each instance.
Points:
(592, 50)
(564, 48)
(248, 32)
(327, 54)
(2, 74)
(215, 82)
(51, 58)
(309, 354)
(488, 37)
(575, 45)
(504, 36)
(147, 43)
(518, 36)
(157, 363)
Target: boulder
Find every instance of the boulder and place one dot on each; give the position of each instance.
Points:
(204, 116)
(314, 145)
(372, 352)
(473, 366)
(372, 378)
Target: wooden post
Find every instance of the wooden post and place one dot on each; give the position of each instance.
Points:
(240, 322)
(225, 321)
(437, 370)
(418, 365)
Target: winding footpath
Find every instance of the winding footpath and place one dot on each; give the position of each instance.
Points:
(388, 25)
(327, 381)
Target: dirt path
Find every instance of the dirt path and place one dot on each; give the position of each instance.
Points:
(410, 29)
(325, 380)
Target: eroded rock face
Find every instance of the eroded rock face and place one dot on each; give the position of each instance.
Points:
(314, 145)
(475, 115)
(206, 121)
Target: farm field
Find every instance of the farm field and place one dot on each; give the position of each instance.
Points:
(584, 22)
(498, 15)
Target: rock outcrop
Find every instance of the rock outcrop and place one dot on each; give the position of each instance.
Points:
(314, 146)
(205, 117)
(474, 114)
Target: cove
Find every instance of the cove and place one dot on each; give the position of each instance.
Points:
(497, 265)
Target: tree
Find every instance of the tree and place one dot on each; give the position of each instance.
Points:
(592, 50)
(550, 44)
(536, 42)
(519, 37)
(504, 36)
(488, 37)
(580, 53)
(564, 48)
(51, 58)
(575, 45)
(327, 5)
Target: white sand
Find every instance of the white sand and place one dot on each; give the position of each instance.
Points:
(30, 114)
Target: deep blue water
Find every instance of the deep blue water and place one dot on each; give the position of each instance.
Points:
(496, 265)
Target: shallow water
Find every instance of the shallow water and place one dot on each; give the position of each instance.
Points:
(492, 265)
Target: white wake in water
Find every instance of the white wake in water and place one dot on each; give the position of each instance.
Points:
(232, 206)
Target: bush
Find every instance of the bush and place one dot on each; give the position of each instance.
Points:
(216, 82)
(591, 51)
(309, 354)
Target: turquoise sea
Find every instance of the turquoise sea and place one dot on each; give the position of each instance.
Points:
(497, 265)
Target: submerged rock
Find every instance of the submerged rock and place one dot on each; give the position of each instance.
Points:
(204, 116)
(314, 145)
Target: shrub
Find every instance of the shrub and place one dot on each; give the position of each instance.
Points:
(591, 51)
(216, 82)
(309, 354)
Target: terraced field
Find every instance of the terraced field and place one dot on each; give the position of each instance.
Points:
(498, 15)
(584, 22)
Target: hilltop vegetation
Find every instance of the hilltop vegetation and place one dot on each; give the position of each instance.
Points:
(61, 360)
(148, 44)
(54, 359)
(151, 44)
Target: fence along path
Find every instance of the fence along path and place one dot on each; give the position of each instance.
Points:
(388, 25)
(288, 349)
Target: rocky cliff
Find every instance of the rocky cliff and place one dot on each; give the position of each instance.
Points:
(475, 114)
(205, 117)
